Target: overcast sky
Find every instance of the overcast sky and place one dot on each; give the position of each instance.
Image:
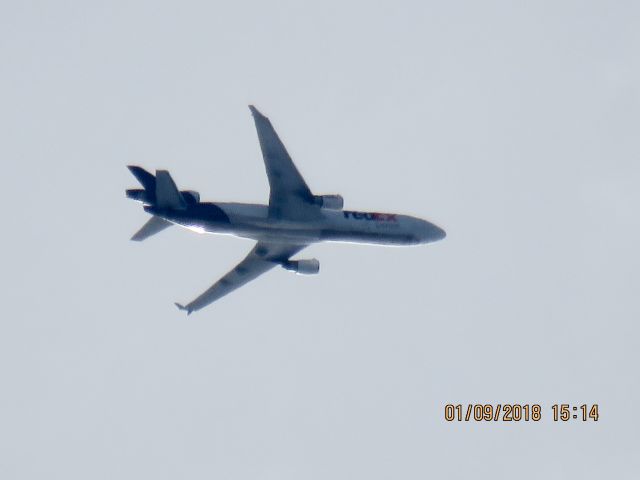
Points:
(513, 125)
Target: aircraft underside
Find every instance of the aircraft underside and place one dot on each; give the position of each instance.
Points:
(252, 221)
(293, 219)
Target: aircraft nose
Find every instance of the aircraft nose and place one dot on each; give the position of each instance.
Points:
(432, 233)
(440, 233)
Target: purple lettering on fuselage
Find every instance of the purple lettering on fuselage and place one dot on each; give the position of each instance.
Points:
(378, 217)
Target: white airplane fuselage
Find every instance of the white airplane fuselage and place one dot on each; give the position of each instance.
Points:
(253, 221)
(293, 219)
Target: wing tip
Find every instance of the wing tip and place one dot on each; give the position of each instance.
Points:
(255, 112)
(182, 307)
(135, 168)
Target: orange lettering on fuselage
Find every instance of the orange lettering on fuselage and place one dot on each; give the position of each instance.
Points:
(379, 217)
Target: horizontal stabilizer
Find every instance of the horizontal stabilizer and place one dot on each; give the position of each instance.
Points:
(153, 226)
(146, 179)
(167, 194)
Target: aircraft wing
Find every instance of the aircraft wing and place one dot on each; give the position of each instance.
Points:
(262, 258)
(290, 196)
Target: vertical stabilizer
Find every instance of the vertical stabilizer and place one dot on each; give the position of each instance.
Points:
(167, 194)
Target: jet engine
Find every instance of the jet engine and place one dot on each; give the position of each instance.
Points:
(190, 196)
(331, 202)
(302, 267)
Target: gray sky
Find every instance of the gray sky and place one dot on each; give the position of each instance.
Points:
(514, 126)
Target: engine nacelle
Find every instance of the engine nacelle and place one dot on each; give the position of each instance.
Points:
(302, 267)
(190, 196)
(331, 202)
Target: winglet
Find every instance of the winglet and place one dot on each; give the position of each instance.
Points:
(182, 307)
(255, 112)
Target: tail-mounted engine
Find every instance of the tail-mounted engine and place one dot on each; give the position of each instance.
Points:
(190, 196)
(302, 267)
(331, 202)
(148, 193)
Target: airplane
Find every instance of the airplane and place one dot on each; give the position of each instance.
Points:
(293, 219)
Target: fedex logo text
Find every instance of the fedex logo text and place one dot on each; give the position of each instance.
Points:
(380, 217)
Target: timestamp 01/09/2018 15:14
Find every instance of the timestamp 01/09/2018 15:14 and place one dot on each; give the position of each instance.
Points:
(516, 412)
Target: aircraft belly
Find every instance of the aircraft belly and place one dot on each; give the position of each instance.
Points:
(364, 236)
(277, 232)
(252, 222)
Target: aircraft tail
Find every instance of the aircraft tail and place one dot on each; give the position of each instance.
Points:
(160, 193)
(160, 190)
(167, 194)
